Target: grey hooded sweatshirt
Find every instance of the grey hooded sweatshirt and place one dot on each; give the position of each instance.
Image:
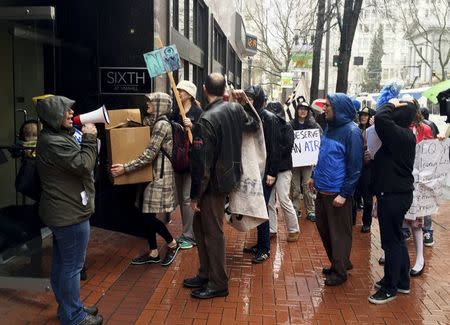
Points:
(64, 166)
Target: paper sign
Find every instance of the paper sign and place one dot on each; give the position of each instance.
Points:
(162, 61)
(373, 141)
(431, 169)
(306, 147)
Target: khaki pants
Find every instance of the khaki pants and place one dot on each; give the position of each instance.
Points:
(208, 230)
(300, 178)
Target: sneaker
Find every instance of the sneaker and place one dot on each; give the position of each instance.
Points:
(407, 235)
(185, 243)
(92, 320)
(145, 259)
(293, 236)
(260, 258)
(381, 297)
(379, 284)
(311, 217)
(170, 255)
(428, 239)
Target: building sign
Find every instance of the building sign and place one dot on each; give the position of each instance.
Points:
(124, 81)
(358, 60)
(251, 42)
(302, 60)
(162, 60)
(287, 80)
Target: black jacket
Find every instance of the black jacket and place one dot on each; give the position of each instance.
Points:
(393, 164)
(271, 127)
(193, 114)
(215, 156)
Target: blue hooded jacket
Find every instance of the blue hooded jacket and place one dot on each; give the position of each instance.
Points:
(341, 150)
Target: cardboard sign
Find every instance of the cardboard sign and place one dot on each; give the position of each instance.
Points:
(306, 147)
(431, 169)
(162, 60)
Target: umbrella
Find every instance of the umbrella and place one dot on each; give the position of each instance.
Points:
(318, 105)
(432, 92)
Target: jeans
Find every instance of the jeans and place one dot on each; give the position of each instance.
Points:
(183, 182)
(69, 252)
(392, 208)
(263, 243)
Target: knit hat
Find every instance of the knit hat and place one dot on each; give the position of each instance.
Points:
(188, 87)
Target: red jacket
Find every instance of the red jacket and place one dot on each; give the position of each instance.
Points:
(422, 132)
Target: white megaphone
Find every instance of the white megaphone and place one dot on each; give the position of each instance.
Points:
(100, 115)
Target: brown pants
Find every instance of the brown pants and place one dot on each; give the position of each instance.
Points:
(208, 231)
(335, 229)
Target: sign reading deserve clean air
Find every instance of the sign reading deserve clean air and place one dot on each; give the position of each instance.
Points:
(306, 147)
(162, 61)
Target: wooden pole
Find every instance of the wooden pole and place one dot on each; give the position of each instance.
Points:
(160, 45)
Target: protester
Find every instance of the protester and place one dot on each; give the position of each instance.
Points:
(393, 185)
(362, 191)
(281, 188)
(159, 195)
(215, 170)
(67, 202)
(301, 175)
(188, 93)
(334, 178)
(271, 129)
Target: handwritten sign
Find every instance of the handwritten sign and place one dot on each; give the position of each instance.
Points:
(306, 147)
(373, 141)
(431, 168)
(162, 60)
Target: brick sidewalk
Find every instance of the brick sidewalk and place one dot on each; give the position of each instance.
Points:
(288, 289)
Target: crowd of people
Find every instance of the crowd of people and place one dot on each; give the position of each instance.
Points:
(346, 178)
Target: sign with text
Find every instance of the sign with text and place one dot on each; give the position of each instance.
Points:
(306, 147)
(431, 168)
(162, 61)
(287, 80)
(124, 81)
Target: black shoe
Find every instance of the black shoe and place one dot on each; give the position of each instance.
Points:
(407, 235)
(334, 280)
(83, 274)
(260, 258)
(145, 259)
(170, 255)
(365, 229)
(414, 273)
(379, 284)
(381, 297)
(251, 250)
(207, 293)
(311, 217)
(195, 282)
(91, 310)
(329, 270)
(92, 320)
(381, 260)
(428, 238)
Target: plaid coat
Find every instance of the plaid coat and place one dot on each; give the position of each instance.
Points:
(159, 195)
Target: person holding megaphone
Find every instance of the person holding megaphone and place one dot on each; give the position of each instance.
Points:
(65, 168)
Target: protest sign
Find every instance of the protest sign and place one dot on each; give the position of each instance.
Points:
(431, 168)
(373, 141)
(163, 60)
(306, 147)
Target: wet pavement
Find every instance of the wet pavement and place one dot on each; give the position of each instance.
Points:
(287, 289)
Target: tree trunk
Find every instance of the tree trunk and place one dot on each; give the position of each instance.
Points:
(317, 49)
(352, 8)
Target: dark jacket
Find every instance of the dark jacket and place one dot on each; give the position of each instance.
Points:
(64, 166)
(426, 114)
(341, 150)
(193, 114)
(215, 156)
(393, 164)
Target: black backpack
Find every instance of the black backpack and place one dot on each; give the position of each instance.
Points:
(286, 137)
(180, 149)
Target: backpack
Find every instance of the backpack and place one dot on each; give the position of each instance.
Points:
(286, 137)
(180, 149)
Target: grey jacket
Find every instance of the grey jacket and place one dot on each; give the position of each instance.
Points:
(64, 166)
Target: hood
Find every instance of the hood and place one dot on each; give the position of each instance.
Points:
(257, 94)
(356, 103)
(51, 111)
(343, 108)
(277, 109)
(425, 113)
(404, 116)
(161, 103)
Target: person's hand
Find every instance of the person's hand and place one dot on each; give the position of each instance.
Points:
(195, 207)
(440, 137)
(310, 184)
(270, 180)
(187, 122)
(372, 120)
(89, 128)
(117, 170)
(339, 201)
(396, 102)
(240, 96)
(367, 156)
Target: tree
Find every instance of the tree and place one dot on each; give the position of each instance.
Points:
(372, 77)
(317, 49)
(347, 27)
